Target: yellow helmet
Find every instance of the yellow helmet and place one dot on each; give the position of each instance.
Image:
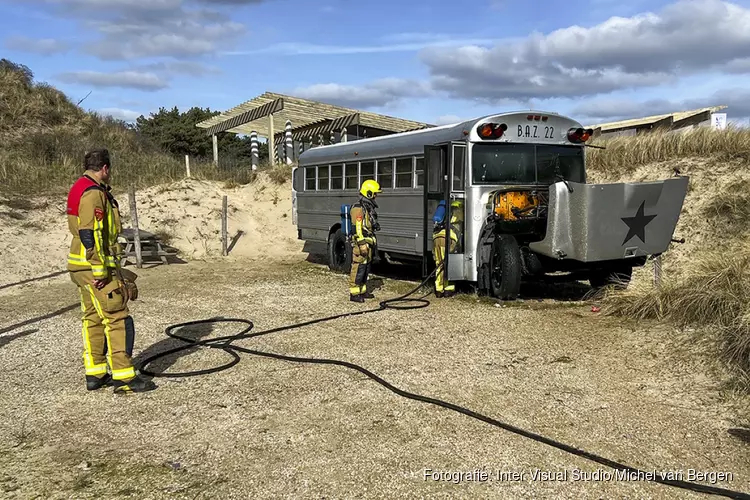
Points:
(457, 213)
(370, 188)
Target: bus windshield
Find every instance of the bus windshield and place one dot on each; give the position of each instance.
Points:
(526, 164)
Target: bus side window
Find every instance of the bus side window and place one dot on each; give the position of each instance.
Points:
(404, 172)
(385, 173)
(337, 176)
(367, 171)
(419, 171)
(309, 178)
(323, 177)
(350, 170)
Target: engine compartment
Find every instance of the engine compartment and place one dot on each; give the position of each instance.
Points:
(519, 211)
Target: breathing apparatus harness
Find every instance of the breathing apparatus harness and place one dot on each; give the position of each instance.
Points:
(225, 344)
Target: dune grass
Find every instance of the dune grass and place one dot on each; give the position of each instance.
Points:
(44, 137)
(624, 154)
(712, 292)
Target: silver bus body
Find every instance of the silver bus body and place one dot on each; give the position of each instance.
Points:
(586, 226)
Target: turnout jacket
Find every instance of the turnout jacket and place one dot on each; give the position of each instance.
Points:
(94, 221)
(364, 219)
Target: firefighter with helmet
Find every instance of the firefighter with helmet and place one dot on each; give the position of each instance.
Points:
(364, 219)
(443, 288)
(104, 287)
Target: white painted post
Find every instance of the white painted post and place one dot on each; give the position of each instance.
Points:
(216, 149)
(333, 137)
(289, 146)
(344, 138)
(320, 139)
(187, 164)
(254, 155)
(312, 144)
(272, 152)
(657, 271)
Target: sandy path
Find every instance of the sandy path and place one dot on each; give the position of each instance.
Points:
(269, 428)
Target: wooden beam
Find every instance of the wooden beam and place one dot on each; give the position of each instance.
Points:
(336, 124)
(248, 116)
(134, 223)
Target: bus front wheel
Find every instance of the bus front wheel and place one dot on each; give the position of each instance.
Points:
(504, 269)
(339, 252)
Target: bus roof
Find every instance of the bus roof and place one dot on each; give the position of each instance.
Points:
(408, 143)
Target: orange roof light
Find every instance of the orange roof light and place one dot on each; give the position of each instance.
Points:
(580, 135)
(485, 130)
(491, 130)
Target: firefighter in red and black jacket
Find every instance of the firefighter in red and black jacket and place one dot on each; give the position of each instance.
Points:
(94, 266)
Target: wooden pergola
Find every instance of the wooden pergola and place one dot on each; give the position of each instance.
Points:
(268, 114)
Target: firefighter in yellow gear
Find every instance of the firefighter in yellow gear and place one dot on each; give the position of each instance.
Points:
(364, 220)
(443, 288)
(93, 263)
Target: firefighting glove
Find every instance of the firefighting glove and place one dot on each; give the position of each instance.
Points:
(128, 283)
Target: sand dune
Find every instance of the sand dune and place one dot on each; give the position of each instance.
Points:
(34, 238)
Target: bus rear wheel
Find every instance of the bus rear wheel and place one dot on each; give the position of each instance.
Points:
(505, 268)
(339, 252)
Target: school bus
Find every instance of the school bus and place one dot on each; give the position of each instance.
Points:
(527, 209)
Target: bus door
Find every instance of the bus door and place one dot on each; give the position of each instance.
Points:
(443, 162)
(294, 195)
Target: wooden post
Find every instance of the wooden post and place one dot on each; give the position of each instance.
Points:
(187, 164)
(136, 233)
(657, 271)
(224, 226)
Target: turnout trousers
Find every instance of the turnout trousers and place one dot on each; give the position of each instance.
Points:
(361, 262)
(107, 328)
(438, 252)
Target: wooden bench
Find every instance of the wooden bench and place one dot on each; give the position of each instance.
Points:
(151, 246)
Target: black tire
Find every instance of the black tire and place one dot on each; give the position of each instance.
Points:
(505, 268)
(339, 252)
(618, 278)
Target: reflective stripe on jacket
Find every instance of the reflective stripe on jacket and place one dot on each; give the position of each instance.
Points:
(362, 221)
(94, 222)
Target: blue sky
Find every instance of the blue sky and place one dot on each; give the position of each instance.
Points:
(436, 61)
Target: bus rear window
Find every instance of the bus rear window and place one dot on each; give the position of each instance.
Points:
(526, 164)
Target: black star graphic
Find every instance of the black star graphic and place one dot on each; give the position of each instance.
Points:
(637, 225)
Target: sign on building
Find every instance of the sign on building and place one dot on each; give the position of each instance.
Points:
(719, 121)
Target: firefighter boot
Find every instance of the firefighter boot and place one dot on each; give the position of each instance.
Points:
(135, 384)
(356, 298)
(368, 295)
(93, 383)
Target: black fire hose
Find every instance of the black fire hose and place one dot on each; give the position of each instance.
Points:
(225, 344)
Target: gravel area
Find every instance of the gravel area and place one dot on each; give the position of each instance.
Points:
(635, 393)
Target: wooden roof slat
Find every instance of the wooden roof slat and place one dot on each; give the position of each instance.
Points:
(301, 112)
(247, 116)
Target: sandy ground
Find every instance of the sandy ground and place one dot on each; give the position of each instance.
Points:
(34, 236)
(635, 393)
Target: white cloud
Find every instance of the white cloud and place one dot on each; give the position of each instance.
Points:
(687, 37)
(385, 92)
(605, 109)
(120, 114)
(295, 49)
(133, 29)
(124, 79)
(45, 46)
(448, 119)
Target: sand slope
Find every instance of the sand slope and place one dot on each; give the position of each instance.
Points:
(34, 238)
